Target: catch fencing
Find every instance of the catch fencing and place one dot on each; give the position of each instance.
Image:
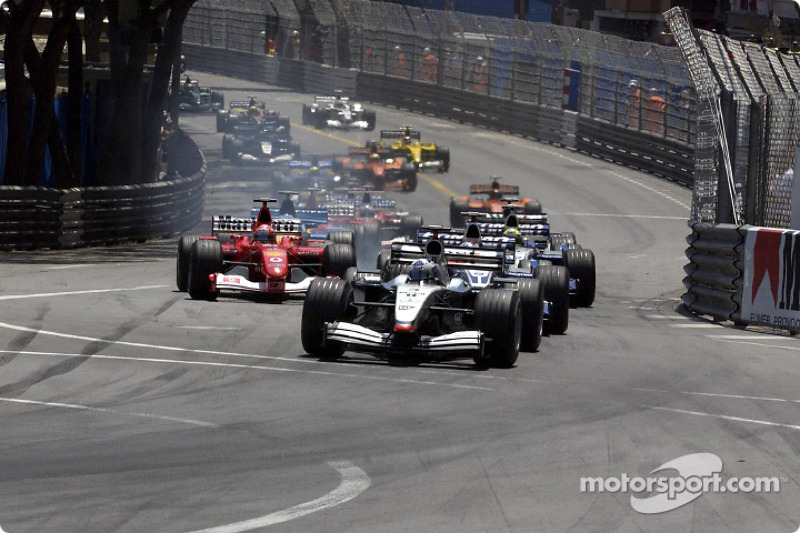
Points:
(39, 217)
(627, 101)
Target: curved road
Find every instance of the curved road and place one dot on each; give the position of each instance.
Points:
(128, 407)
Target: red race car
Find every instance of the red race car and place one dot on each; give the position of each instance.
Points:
(261, 255)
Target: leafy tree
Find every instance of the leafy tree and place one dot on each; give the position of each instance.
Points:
(131, 150)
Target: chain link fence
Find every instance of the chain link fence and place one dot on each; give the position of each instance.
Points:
(707, 90)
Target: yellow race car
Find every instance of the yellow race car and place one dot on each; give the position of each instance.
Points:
(407, 143)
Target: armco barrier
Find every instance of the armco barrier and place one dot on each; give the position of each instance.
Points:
(654, 154)
(713, 275)
(36, 217)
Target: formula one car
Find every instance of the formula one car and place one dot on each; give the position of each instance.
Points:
(491, 198)
(316, 172)
(277, 259)
(265, 142)
(378, 169)
(338, 112)
(425, 314)
(194, 97)
(554, 279)
(249, 111)
(408, 143)
(537, 245)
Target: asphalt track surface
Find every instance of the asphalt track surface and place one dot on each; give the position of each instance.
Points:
(128, 407)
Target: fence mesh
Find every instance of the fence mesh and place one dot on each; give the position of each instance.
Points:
(689, 93)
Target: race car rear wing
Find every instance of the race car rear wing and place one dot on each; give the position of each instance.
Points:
(487, 188)
(322, 99)
(228, 225)
(362, 150)
(305, 216)
(392, 135)
(245, 104)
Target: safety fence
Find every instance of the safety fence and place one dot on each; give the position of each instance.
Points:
(38, 217)
(747, 274)
(748, 126)
(573, 83)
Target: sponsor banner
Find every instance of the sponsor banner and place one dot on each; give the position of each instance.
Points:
(771, 290)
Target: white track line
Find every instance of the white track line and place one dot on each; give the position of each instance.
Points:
(108, 411)
(719, 395)
(72, 293)
(354, 482)
(694, 326)
(248, 367)
(724, 417)
(761, 344)
(618, 215)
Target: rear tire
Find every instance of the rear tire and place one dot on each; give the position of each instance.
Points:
(498, 316)
(205, 259)
(326, 301)
(410, 224)
(581, 266)
(337, 258)
(383, 259)
(222, 120)
(457, 206)
(369, 116)
(184, 258)
(306, 114)
(408, 173)
(555, 284)
(443, 155)
(533, 207)
(531, 300)
(342, 237)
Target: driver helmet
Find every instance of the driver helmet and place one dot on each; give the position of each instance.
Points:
(253, 111)
(423, 270)
(514, 233)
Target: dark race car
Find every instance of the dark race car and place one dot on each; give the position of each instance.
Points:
(248, 111)
(194, 97)
(425, 313)
(264, 142)
(268, 256)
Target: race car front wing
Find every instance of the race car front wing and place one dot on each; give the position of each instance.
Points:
(361, 339)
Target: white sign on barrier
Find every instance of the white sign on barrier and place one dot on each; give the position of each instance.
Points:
(771, 289)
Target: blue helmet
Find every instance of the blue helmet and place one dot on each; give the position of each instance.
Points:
(423, 270)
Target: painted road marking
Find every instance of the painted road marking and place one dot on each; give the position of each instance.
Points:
(724, 417)
(719, 395)
(762, 345)
(753, 337)
(695, 326)
(354, 482)
(618, 215)
(209, 328)
(72, 293)
(108, 411)
(666, 317)
(248, 367)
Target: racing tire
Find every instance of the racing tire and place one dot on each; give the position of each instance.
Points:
(408, 173)
(581, 266)
(410, 224)
(531, 301)
(222, 120)
(307, 119)
(350, 274)
(557, 240)
(184, 257)
(327, 300)
(498, 316)
(287, 127)
(337, 258)
(443, 155)
(217, 98)
(342, 237)
(205, 259)
(369, 117)
(236, 148)
(533, 207)
(555, 285)
(226, 147)
(392, 270)
(383, 259)
(457, 206)
(570, 237)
